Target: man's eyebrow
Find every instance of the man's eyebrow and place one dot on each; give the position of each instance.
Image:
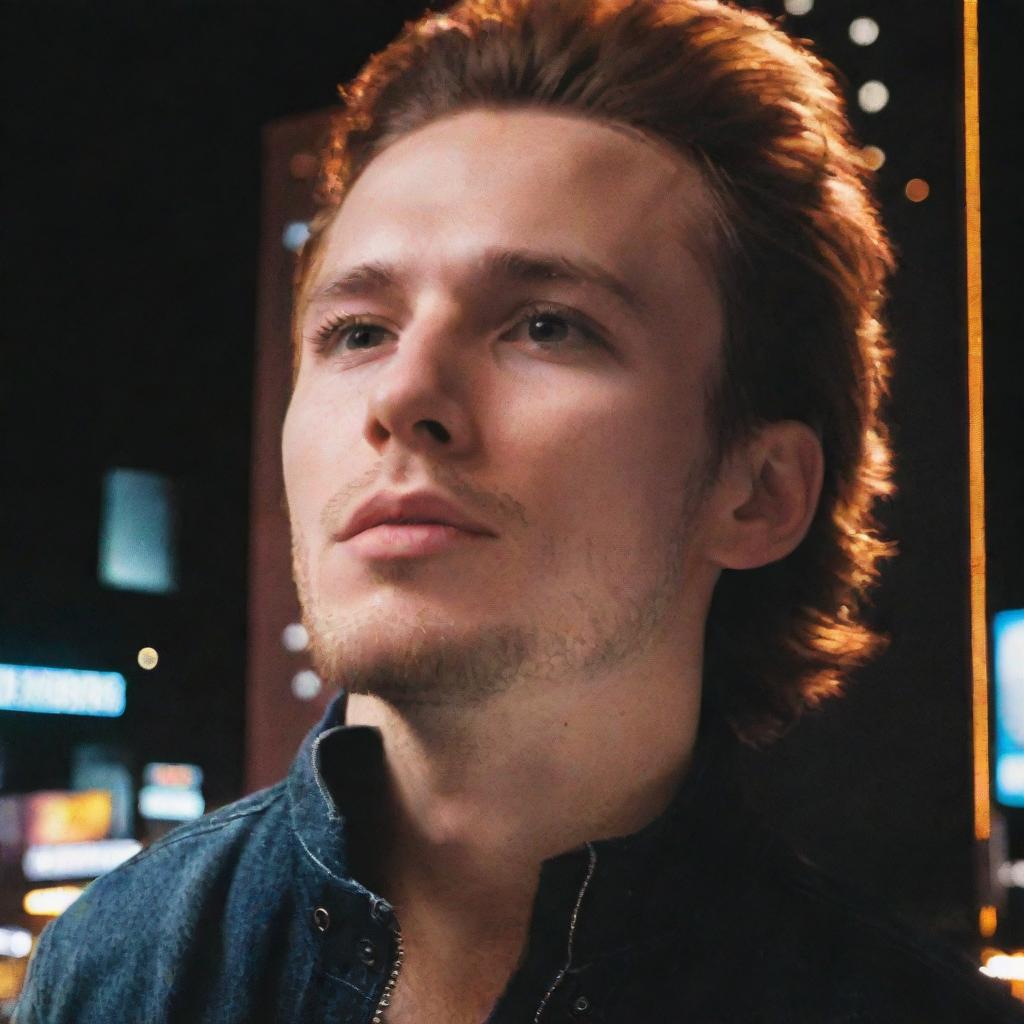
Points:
(522, 266)
(535, 267)
(359, 280)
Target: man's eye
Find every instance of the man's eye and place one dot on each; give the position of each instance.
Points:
(360, 336)
(552, 330)
(548, 329)
(348, 334)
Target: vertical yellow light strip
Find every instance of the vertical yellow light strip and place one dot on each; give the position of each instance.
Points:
(976, 427)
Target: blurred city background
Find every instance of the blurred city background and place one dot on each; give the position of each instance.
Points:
(159, 166)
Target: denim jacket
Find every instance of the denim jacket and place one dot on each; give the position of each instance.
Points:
(252, 914)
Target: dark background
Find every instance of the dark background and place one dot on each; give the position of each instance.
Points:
(131, 228)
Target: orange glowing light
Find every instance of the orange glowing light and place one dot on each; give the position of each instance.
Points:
(52, 901)
(62, 817)
(917, 190)
(988, 921)
(12, 976)
(874, 157)
(1006, 966)
(975, 430)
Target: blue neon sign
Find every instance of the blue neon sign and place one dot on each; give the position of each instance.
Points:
(1008, 658)
(61, 691)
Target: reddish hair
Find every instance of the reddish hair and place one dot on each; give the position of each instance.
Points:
(801, 263)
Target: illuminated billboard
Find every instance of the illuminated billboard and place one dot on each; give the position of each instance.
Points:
(172, 792)
(48, 817)
(137, 532)
(62, 691)
(76, 860)
(61, 817)
(1008, 659)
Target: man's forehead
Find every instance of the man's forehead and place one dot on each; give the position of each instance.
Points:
(482, 183)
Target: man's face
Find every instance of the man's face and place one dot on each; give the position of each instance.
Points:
(563, 411)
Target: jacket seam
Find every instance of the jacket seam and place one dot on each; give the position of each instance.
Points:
(272, 796)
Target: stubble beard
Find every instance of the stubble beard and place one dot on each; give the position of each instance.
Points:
(428, 662)
(434, 662)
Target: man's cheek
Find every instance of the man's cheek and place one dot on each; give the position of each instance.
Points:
(306, 456)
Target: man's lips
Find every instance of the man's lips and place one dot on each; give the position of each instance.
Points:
(411, 513)
(410, 540)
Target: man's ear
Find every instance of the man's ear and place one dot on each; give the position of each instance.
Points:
(766, 495)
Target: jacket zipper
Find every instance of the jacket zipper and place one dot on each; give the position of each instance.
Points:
(389, 985)
(572, 934)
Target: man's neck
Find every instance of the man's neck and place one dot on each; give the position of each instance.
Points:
(477, 798)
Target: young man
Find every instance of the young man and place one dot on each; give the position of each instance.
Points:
(580, 463)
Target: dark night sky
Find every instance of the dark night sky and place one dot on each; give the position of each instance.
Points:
(131, 223)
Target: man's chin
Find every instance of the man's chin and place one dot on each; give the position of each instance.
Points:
(421, 669)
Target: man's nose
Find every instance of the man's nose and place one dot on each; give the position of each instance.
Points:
(420, 396)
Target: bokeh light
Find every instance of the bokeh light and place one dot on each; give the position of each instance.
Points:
(306, 684)
(872, 96)
(294, 637)
(917, 190)
(874, 157)
(148, 658)
(863, 31)
(294, 235)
